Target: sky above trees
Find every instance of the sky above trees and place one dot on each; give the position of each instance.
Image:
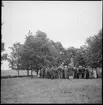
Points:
(65, 21)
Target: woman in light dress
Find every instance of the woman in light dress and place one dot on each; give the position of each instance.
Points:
(94, 73)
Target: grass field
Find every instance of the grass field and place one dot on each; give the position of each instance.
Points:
(36, 90)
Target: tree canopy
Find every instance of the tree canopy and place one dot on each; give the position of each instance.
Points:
(39, 51)
(3, 55)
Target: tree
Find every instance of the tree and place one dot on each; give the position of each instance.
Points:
(14, 57)
(93, 54)
(38, 51)
(3, 56)
(79, 58)
(32, 51)
(2, 43)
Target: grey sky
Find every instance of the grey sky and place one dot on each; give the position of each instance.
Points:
(69, 22)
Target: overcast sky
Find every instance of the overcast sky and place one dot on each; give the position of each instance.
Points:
(69, 22)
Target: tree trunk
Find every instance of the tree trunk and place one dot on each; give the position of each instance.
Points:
(37, 72)
(65, 74)
(18, 72)
(31, 72)
(27, 72)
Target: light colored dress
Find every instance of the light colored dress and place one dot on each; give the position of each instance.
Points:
(94, 74)
(38, 73)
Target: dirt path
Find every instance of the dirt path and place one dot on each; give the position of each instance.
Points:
(31, 90)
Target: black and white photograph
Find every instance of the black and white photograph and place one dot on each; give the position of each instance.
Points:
(51, 52)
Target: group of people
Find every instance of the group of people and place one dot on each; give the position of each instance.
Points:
(64, 72)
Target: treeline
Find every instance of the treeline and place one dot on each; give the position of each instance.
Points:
(39, 51)
(3, 55)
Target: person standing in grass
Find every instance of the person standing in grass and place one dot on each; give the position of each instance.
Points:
(87, 73)
(62, 72)
(59, 72)
(70, 72)
(90, 72)
(52, 72)
(97, 72)
(83, 72)
(94, 73)
(44, 71)
(80, 72)
(38, 73)
(41, 72)
(100, 69)
(65, 72)
(48, 73)
(75, 72)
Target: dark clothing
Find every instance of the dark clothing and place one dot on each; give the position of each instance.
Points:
(75, 73)
(87, 74)
(80, 73)
(83, 73)
(70, 71)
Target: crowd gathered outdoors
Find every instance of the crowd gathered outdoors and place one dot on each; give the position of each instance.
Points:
(66, 72)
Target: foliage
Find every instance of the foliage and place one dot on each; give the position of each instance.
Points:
(39, 51)
(94, 50)
(3, 56)
(36, 52)
(14, 57)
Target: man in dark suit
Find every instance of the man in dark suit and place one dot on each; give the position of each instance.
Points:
(80, 72)
(83, 72)
(87, 73)
(75, 72)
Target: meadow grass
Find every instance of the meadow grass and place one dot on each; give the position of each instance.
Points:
(37, 90)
